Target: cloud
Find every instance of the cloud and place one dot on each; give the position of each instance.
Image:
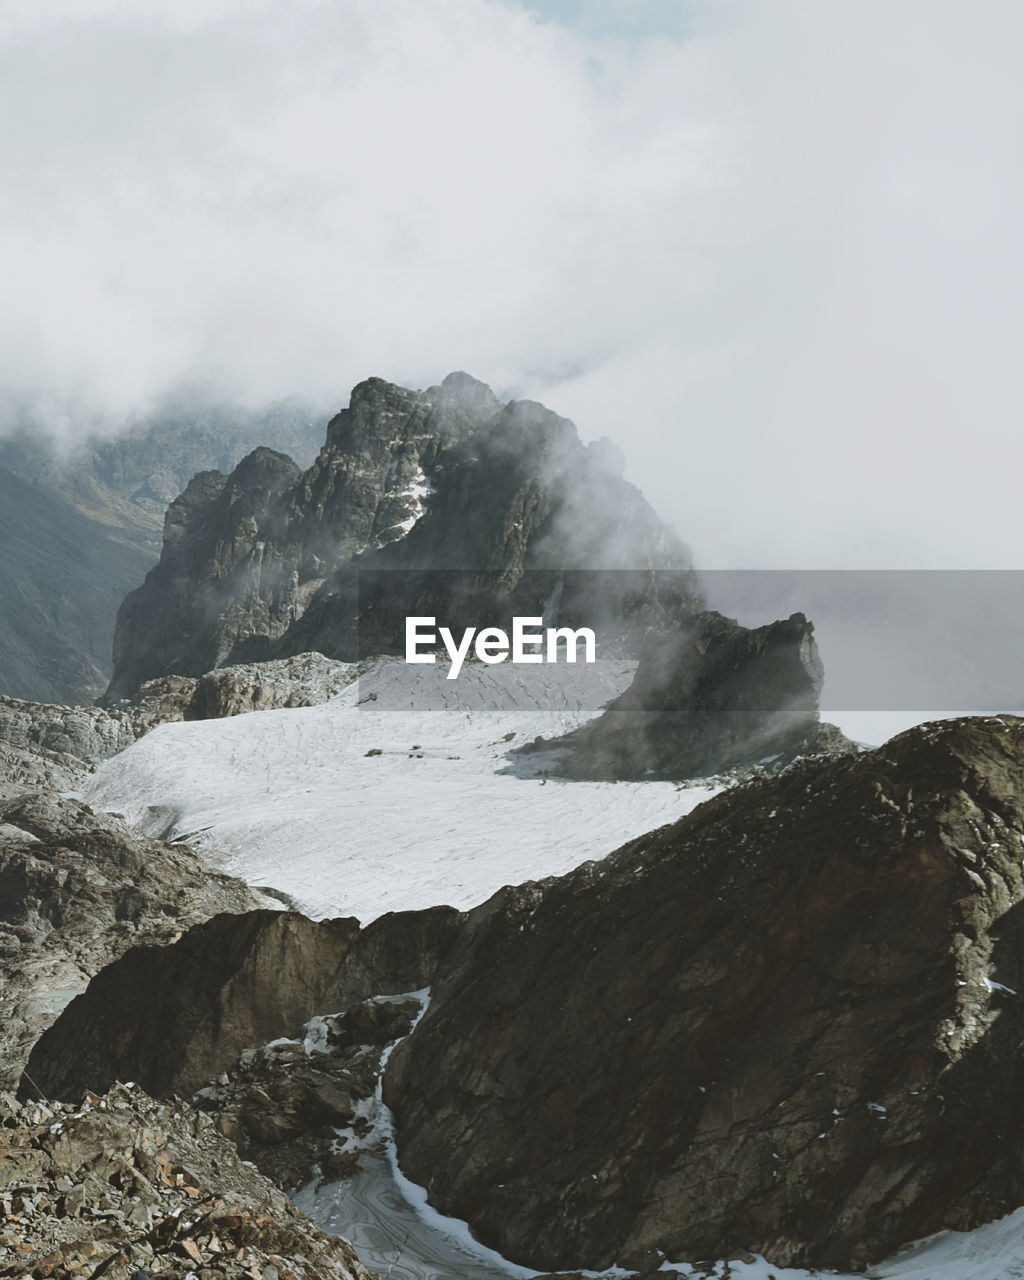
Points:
(776, 261)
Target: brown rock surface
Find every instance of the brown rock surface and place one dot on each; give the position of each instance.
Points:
(790, 1023)
(171, 1018)
(77, 890)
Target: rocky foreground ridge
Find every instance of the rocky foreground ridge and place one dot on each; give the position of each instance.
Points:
(789, 1023)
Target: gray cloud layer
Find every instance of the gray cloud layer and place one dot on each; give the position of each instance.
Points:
(777, 261)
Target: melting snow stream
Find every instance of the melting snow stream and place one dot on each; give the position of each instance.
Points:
(387, 1218)
(399, 1235)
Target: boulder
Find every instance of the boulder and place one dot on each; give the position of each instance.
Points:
(707, 698)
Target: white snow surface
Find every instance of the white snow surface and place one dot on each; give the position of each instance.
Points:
(994, 1251)
(290, 799)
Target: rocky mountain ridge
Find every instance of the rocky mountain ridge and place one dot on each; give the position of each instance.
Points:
(410, 487)
(795, 1011)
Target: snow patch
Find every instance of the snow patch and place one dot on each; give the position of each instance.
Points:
(439, 814)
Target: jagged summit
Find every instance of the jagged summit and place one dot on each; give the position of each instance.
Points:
(264, 562)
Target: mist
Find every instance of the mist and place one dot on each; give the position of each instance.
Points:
(774, 258)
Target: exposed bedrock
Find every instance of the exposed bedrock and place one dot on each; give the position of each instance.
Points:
(77, 890)
(170, 1018)
(788, 1023)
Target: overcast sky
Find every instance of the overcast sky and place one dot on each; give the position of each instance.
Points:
(771, 248)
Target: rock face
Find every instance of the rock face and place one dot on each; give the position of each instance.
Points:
(76, 892)
(709, 697)
(171, 1018)
(789, 1023)
(266, 562)
(55, 747)
(123, 1186)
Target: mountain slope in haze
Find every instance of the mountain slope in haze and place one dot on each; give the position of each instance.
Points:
(62, 576)
(272, 560)
(79, 531)
(127, 478)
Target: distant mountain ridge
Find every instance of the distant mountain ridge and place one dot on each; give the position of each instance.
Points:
(127, 479)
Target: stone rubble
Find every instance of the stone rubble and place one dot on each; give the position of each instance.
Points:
(122, 1184)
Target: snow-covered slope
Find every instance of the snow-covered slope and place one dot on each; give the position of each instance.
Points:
(443, 814)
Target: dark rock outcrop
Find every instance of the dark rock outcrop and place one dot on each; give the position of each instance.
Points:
(76, 892)
(122, 1186)
(712, 696)
(790, 1023)
(286, 1103)
(171, 1018)
(272, 561)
